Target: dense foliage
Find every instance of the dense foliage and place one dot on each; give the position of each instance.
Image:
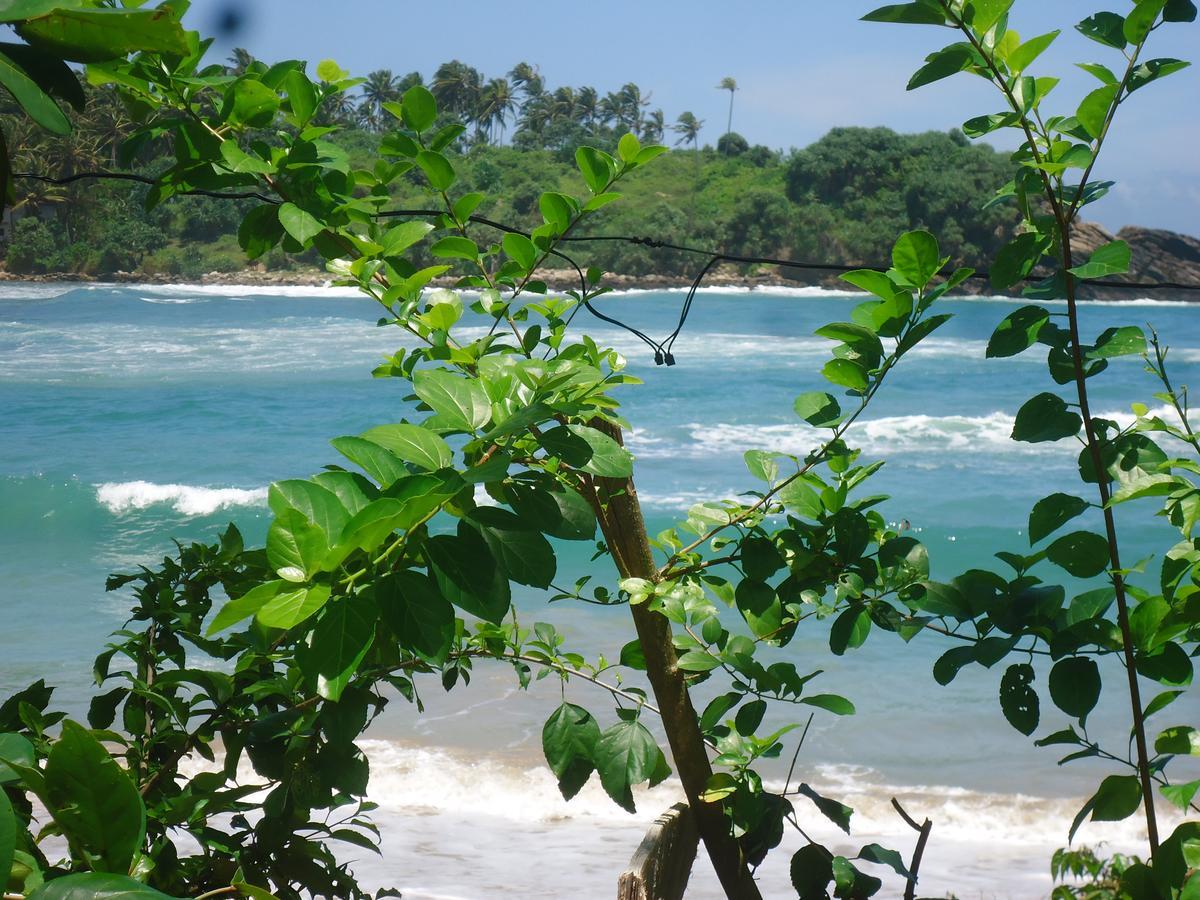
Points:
(839, 200)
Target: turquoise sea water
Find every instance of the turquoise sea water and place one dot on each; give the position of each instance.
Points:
(130, 415)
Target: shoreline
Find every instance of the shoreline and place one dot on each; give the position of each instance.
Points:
(567, 279)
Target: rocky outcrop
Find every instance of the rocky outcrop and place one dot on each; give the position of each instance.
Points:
(1155, 256)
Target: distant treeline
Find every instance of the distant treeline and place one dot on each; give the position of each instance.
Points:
(842, 199)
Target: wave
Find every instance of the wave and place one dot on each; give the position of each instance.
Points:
(189, 500)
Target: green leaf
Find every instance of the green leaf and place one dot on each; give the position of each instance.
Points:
(295, 547)
(260, 230)
(589, 450)
(1118, 798)
(418, 109)
(461, 404)
(1179, 11)
(526, 556)
(557, 210)
(818, 408)
(94, 801)
(1110, 259)
(951, 662)
(1141, 19)
(761, 607)
(812, 867)
(846, 373)
(250, 103)
(1016, 260)
(8, 834)
(597, 167)
(849, 630)
(317, 504)
(14, 748)
(1093, 110)
(340, 642)
(437, 169)
(919, 13)
(468, 575)
(380, 464)
(290, 608)
(1181, 794)
(1051, 513)
(1104, 28)
(97, 35)
(1081, 553)
(938, 65)
(37, 103)
(420, 617)
(301, 225)
(1113, 342)
(626, 755)
(1183, 740)
(915, 256)
(1075, 685)
(883, 856)
(628, 147)
(413, 444)
(96, 886)
(301, 96)
(1024, 55)
(1045, 417)
(1017, 332)
(569, 740)
(833, 703)
(1018, 700)
(561, 514)
(521, 249)
(16, 10)
(837, 813)
(1152, 70)
(399, 238)
(248, 604)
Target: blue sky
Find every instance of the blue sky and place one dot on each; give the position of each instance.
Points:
(803, 67)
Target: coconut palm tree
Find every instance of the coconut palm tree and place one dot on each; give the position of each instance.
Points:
(526, 77)
(728, 84)
(687, 126)
(587, 104)
(239, 61)
(457, 88)
(378, 89)
(652, 127)
(495, 104)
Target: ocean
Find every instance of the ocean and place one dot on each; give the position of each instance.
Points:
(134, 414)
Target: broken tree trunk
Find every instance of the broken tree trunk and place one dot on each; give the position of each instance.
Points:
(661, 865)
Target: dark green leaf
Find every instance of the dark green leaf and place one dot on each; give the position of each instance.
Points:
(1105, 28)
(1075, 685)
(1152, 70)
(16, 749)
(340, 641)
(420, 617)
(626, 755)
(847, 374)
(812, 870)
(96, 886)
(833, 703)
(849, 630)
(818, 408)
(1051, 513)
(1183, 740)
(94, 801)
(37, 103)
(8, 834)
(468, 575)
(1018, 331)
(525, 555)
(838, 813)
(1081, 553)
(260, 230)
(588, 449)
(1118, 798)
(1018, 700)
(569, 740)
(1045, 417)
(942, 64)
(96, 35)
(1014, 262)
(918, 13)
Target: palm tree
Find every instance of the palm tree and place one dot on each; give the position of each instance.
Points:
(652, 127)
(239, 61)
(457, 88)
(632, 104)
(728, 84)
(378, 89)
(687, 126)
(526, 77)
(495, 104)
(587, 103)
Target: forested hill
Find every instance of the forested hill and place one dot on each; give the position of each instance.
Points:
(840, 200)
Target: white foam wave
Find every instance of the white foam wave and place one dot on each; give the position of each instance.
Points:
(30, 290)
(322, 291)
(189, 500)
(174, 301)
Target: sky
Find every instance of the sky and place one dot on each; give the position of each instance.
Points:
(802, 67)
